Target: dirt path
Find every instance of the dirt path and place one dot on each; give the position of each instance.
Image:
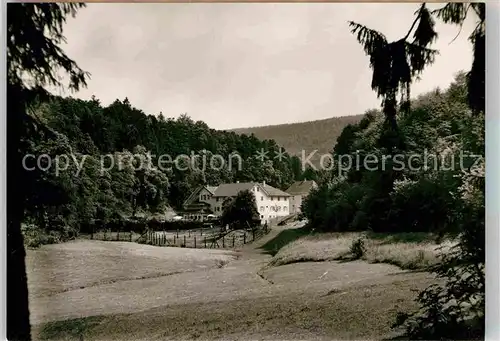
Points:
(211, 291)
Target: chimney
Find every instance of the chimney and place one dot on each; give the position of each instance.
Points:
(264, 183)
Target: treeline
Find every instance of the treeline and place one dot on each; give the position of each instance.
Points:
(104, 153)
(428, 184)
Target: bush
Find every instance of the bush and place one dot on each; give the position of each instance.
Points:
(176, 225)
(140, 225)
(357, 249)
(333, 208)
(456, 309)
(424, 205)
(35, 237)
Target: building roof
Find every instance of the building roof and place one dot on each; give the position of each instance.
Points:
(232, 189)
(274, 192)
(193, 197)
(301, 187)
(211, 189)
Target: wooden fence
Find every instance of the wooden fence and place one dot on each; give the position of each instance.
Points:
(230, 239)
(200, 238)
(109, 235)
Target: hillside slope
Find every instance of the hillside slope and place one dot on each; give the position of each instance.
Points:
(320, 135)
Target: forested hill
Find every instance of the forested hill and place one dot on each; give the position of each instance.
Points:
(104, 134)
(318, 135)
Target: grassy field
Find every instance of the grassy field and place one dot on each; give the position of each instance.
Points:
(75, 265)
(412, 251)
(360, 312)
(128, 291)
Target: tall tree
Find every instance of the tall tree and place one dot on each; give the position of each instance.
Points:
(397, 64)
(455, 310)
(34, 59)
(240, 211)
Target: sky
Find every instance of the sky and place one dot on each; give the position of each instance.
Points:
(243, 65)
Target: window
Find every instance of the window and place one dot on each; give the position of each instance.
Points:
(261, 217)
(279, 198)
(272, 199)
(267, 207)
(285, 208)
(261, 198)
(257, 188)
(262, 208)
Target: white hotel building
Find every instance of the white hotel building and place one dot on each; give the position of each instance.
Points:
(272, 203)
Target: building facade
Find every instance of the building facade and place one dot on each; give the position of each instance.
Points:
(198, 205)
(298, 191)
(272, 203)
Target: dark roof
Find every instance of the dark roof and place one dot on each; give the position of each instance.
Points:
(199, 207)
(231, 190)
(193, 210)
(301, 187)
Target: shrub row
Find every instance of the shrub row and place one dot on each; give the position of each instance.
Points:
(139, 226)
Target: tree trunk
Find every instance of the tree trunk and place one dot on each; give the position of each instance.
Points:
(18, 325)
